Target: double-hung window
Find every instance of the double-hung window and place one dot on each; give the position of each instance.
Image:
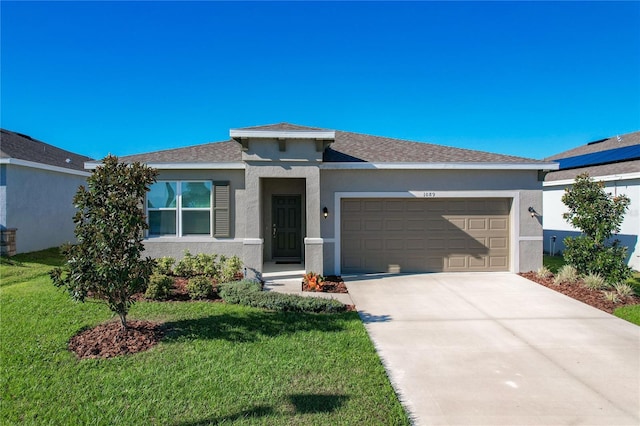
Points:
(183, 208)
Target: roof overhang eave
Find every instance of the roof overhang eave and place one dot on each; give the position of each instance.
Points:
(237, 134)
(91, 165)
(439, 166)
(42, 166)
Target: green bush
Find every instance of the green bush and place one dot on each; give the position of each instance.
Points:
(588, 257)
(248, 293)
(200, 287)
(164, 265)
(229, 268)
(159, 287)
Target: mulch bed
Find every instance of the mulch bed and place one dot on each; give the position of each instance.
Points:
(110, 339)
(579, 292)
(331, 284)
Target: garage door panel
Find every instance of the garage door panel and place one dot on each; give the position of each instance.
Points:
(418, 235)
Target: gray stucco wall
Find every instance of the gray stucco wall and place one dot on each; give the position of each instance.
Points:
(528, 230)
(39, 203)
(175, 247)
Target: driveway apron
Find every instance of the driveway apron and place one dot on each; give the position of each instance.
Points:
(498, 349)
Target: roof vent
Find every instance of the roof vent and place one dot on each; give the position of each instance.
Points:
(68, 161)
(598, 141)
(619, 138)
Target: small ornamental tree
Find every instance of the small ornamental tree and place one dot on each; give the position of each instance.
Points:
(106, 262)
(598, 215)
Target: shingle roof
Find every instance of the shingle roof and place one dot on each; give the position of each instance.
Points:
(604, 145)
(594, 171)
(613, 168)
(350, 146)
(347, 147)
(22, 147)
(214, 152)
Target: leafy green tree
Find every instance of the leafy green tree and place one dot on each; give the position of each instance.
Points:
(598, 215)
(106, 262)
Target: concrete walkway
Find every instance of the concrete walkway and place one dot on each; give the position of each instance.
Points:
(497, 349)
(288, 279)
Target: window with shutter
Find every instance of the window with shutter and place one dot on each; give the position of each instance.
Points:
(221, 193)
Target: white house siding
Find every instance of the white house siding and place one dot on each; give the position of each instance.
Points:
(39, 203)
(522, 187)
(555, 225)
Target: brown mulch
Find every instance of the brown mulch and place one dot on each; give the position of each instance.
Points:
(110, 339)
(331, 284)
(579, 292)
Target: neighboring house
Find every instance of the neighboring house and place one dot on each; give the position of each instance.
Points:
(37, 185)
(614, 161)
(342, 202)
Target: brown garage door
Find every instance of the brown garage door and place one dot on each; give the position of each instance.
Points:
(424, 235)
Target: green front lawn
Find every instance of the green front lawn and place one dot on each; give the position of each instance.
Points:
(220, 363)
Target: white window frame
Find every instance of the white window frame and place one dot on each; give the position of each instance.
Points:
(179, 209)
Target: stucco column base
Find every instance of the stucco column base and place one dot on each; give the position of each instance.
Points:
(313, 257)
(252, 258)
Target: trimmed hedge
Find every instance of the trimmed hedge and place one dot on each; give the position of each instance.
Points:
(249, 293)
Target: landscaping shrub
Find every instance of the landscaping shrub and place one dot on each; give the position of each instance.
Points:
(248, 293)
(599, 216)
(159, 287)
(229, 269)
(199, 287)
(164, 265)
(543, 272)
(588, 256)
(623, 289)
(611, 296)
(566, 274)
(594, 282)
(313, 281)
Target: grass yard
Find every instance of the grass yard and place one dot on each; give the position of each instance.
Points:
(220, 364)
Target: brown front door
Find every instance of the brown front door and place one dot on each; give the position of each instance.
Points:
(287, 227)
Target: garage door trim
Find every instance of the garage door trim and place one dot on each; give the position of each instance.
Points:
(514, 223)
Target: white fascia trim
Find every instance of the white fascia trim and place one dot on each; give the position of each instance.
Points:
(285, 134)
(182, 166)
(514, 254)
(34, 165)
(608, 178)
(440, 166)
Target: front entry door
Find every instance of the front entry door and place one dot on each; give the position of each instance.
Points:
(287, 227)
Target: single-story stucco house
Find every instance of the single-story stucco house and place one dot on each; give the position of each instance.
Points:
(614, 161)
(341, 202)
(37, 185)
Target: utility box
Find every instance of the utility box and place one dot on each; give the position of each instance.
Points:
(8, 242)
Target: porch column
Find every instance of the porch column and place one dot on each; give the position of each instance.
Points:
(253, 242)
(313, 251)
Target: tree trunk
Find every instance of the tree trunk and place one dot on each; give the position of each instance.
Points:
(123, 320)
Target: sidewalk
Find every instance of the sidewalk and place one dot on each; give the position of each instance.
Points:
(288, 279)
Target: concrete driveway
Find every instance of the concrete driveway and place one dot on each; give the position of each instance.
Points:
(497, 349)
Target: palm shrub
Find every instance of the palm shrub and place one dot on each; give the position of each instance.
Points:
(543, 273)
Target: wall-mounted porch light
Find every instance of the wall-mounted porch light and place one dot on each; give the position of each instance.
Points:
(325, 212)
(533, 212)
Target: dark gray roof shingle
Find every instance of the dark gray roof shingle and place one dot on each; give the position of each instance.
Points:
(347, 147)
(632, 166)
(22, 147)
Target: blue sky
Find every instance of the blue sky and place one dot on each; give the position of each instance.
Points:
(528, 79)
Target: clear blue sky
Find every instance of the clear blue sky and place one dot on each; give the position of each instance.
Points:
(528, 79)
